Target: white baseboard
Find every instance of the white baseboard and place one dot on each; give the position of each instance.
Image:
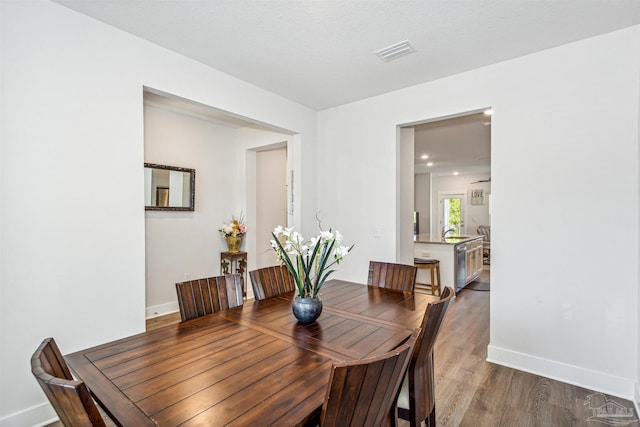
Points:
(161, 310)
(589, 379)
(36, 416)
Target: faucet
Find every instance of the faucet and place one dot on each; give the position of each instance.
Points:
(446, 230)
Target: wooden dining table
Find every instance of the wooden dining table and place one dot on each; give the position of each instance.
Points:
(249, 365)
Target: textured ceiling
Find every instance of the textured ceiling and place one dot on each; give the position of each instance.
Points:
(320, 53)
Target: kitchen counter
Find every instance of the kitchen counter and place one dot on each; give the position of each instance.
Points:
(450, 240)
(460, 258)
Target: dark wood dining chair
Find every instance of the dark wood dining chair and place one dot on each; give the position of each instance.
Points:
(205, 296)
(362, 393)
(70, 398)
(269, 282)
(417, 400)
(400, 277)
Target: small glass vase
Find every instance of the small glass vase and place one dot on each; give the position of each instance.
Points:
(306, 310)
(234, 243)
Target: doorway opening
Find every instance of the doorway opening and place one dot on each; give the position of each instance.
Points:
(447, 162)
(221, 147)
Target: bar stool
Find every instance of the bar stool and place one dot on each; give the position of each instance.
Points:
(434, 267)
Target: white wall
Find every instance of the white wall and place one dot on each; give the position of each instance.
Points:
(406, 193)
(637, 384)
(72, 121)
(474, 215)
(183, 245)
(564, 153)
(422, 201)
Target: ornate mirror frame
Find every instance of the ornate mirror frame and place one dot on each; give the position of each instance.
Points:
(161, 195)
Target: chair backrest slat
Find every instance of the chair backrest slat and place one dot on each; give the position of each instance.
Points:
(420, 372)
(229, 290)
(269, 282)
(431, 323)
(362, 393)
(206, 297)
(70, 398)
(53, 362)
(400, 277)
(209, 295)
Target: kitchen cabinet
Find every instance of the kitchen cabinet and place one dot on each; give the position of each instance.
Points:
(473, 260)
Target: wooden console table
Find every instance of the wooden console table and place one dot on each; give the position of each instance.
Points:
(235, 262)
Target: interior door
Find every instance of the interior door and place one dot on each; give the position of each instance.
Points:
(451, 212)
(271, 201)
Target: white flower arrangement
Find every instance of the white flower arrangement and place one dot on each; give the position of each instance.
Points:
(308, 261)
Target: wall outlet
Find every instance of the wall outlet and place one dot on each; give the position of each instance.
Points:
(425, 254)
(377, 231)
(187, 276)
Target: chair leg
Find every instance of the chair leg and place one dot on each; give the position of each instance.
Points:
(439, 282)
(433, 283)
(431, 420)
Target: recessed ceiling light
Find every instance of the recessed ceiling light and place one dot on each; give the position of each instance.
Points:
(430, 164)
(395, 51)
(456, 173)
(424, 156)
(488, 112)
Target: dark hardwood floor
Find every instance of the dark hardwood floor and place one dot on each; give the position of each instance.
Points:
(473, 392)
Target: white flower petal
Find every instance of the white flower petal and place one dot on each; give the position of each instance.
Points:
(326, 235)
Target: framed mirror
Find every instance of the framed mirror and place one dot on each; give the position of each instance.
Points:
(169, 188)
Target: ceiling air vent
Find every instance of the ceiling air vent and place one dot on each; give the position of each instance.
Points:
(395, 51)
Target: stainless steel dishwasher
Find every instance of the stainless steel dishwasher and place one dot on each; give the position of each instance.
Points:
(460, 270)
